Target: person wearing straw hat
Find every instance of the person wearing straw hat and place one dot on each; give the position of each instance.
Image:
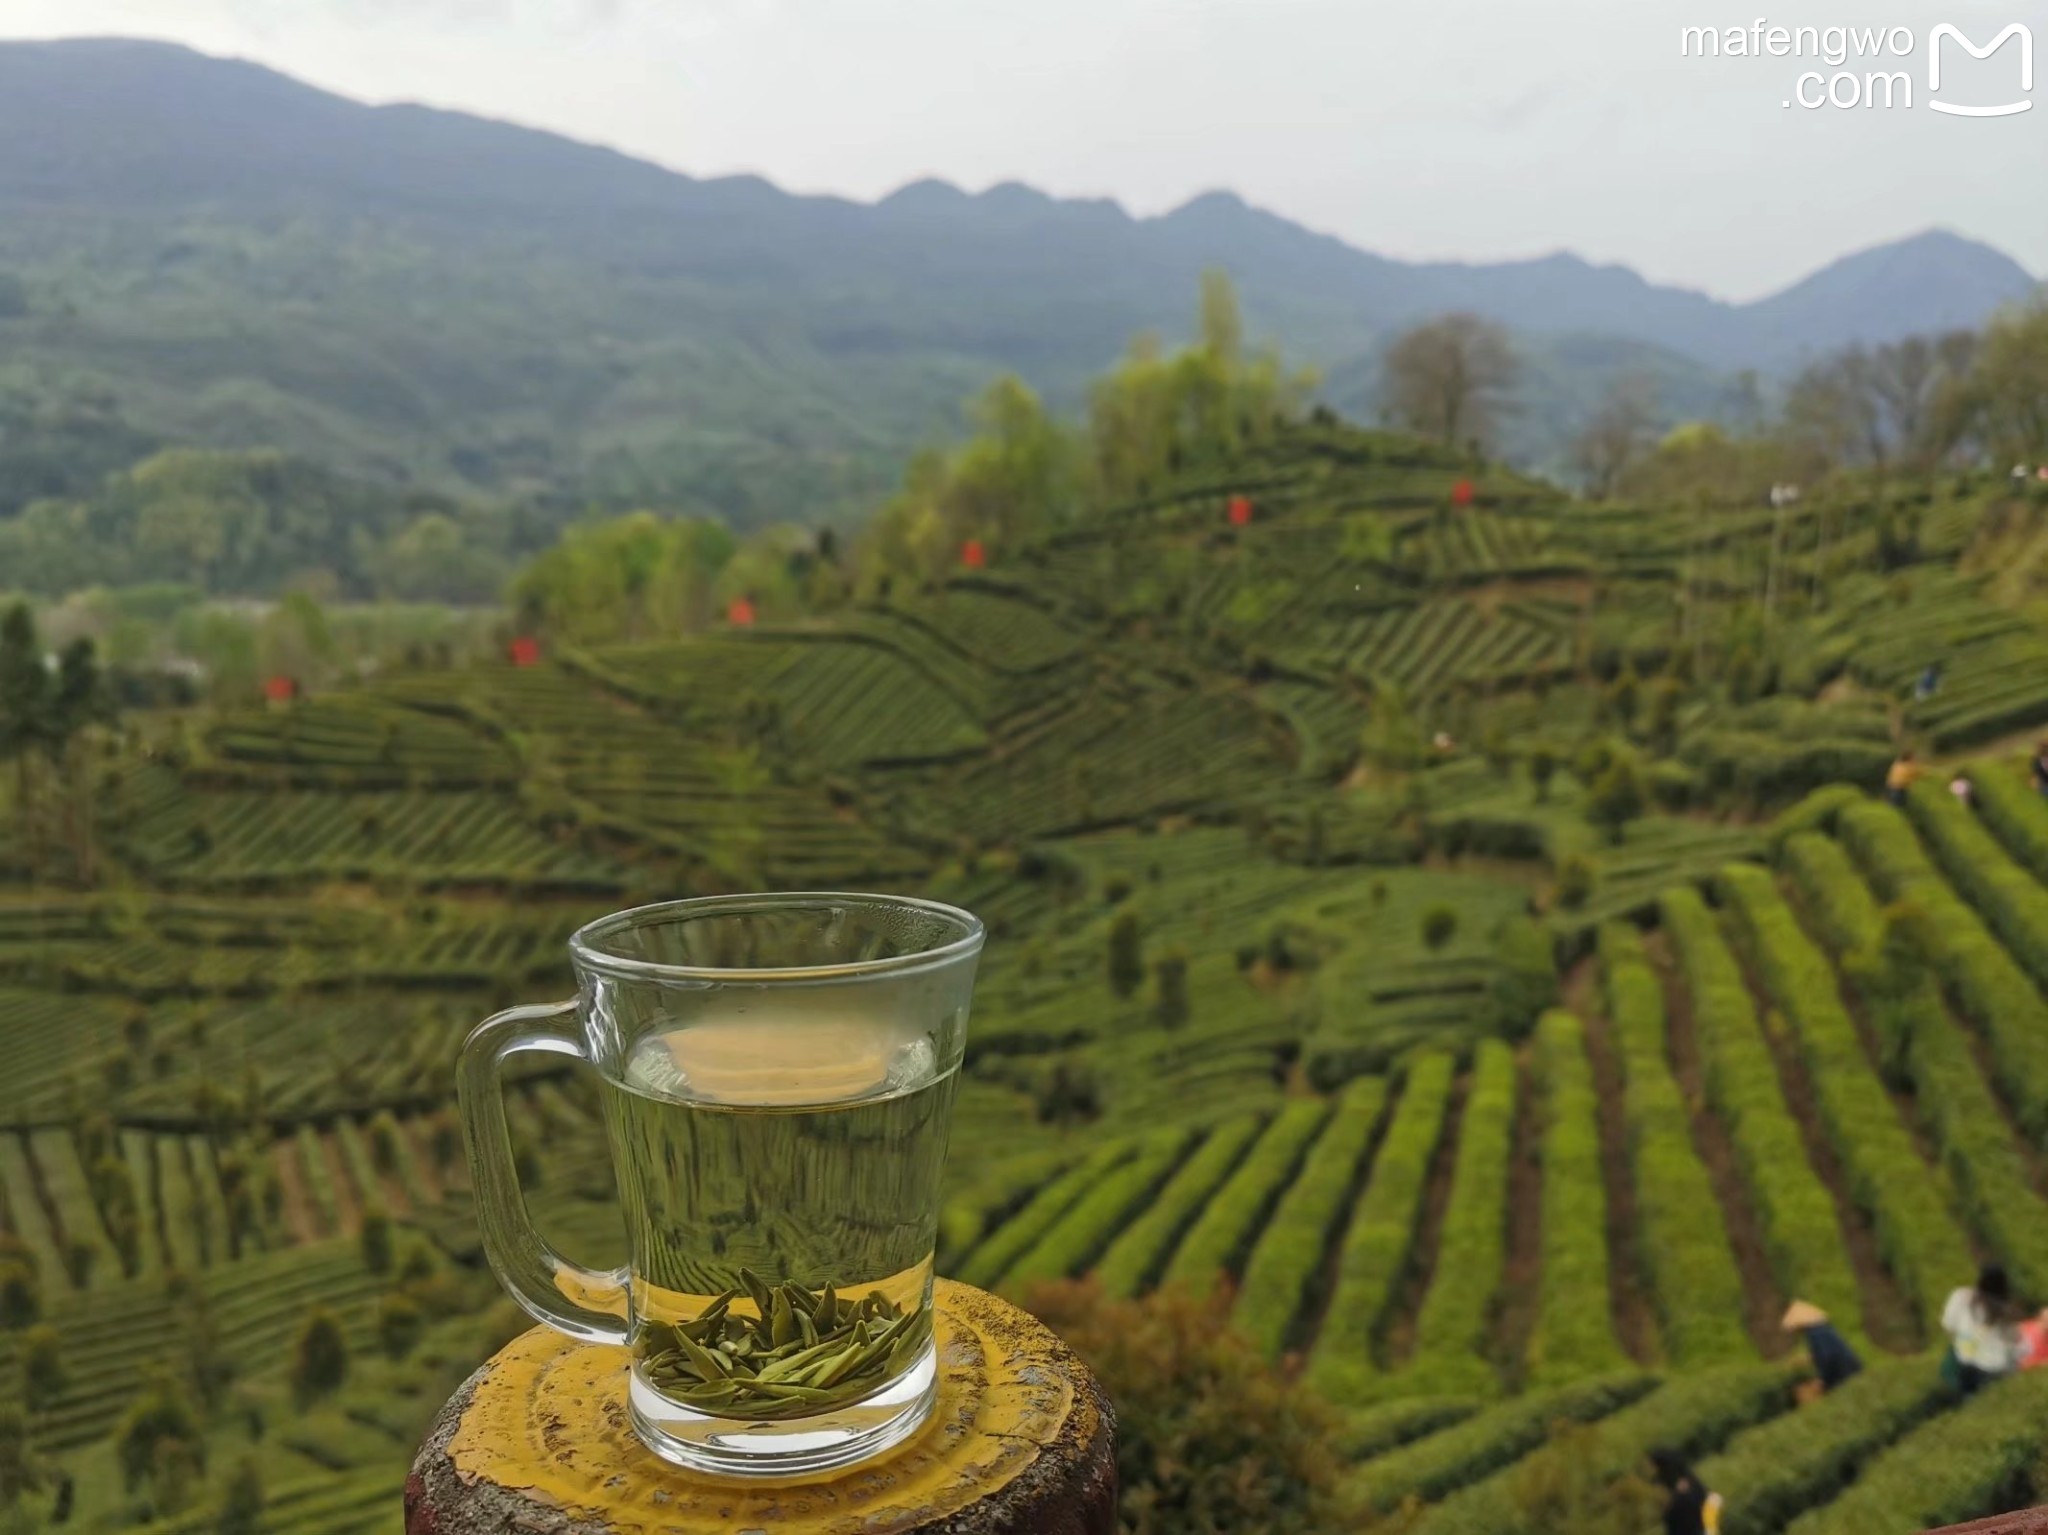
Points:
(1833, 1360)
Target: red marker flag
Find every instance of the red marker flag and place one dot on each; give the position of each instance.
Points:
(973, 555)
(1461, 493)
(740, 612)
(524, 651)
(280, 689)
(1240, 511)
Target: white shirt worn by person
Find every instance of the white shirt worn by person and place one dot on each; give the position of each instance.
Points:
(1984, 1345)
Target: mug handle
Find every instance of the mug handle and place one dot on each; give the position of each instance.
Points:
(584, 1303)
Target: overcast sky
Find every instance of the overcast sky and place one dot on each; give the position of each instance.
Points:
(1474, 129)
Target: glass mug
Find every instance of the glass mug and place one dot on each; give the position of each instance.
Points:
(778, 1075)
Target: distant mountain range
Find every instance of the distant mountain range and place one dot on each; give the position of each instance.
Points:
(195, 249)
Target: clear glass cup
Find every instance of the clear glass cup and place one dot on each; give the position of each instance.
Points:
(778, 1075)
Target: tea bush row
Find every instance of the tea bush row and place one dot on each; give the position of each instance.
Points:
(1980, 1459)
(1682, 1242)
(1920, 1240)
(1990, 988)
(1770, 1474)
(1800, 1225)
(2013, 811)
(1968, 1124)
(1377, 1244)
(1284, 1274)
(1137, 1255)
(1094, 1219)
(1574, 1331)
(1373, 1431)
(1481, 1445)
(1222, 1235)
(2011, 899)
(1687, 1415)
(1018, 1235)
(1452, 1330)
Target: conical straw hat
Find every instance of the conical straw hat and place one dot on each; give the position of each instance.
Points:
(1801, 1315)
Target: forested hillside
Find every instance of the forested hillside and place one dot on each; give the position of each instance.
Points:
(201, 253)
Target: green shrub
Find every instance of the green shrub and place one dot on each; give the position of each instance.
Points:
(1983, 1458)
(1575, 881)
(1905, 1004)
(1284, 1274)
(1222, 1235)
(1375, 1251)
(319, 1358)
(1170, 1006)
(1988, 986)
(1921, 1242)
(1682, 1243)
(1126, 954)
(1481, 1445)
(1086, 1227)
(1137, 1255)
(1455, 1323)
(1019, 1234)
(1770, 1474)
(1209, 1436)
(1800, 1225)
(1574, 1332)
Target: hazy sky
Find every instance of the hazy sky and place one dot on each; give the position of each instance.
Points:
(1472, 129)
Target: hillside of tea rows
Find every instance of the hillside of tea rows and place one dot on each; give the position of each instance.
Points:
(1454, 921)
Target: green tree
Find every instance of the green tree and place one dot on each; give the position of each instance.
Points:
(399, 1324)
(160, 1415)
(1542, 768)
(1617, 797)
(43, 1375)
(1126, 954)
(21, 1289)
(1449, 378)
(241, 1503)
(1170, 1007)
(1439, 926)
(1574, 881)
(27, 709)
(373, 1238)
(319, 1358)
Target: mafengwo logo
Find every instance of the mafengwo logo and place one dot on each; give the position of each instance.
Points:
(1895, 50)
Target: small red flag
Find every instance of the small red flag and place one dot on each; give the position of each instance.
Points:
(1461, 493)
(1240, 511)
(973, 555)
(280, 689)
(740, 612)
(524, 651)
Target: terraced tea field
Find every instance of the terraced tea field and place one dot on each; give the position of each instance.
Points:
(1482, 1106)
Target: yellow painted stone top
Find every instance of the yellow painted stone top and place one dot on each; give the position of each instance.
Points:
(550, 1419)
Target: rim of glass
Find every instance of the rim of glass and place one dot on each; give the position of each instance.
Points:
(584, 943)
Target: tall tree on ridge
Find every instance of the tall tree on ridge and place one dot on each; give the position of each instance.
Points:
(1449, 378)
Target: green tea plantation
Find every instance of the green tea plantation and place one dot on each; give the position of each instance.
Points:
(1456, 923)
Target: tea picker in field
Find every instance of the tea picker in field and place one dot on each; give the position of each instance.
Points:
(1689, 1508)
(2038, 768)
(1982, 1324)
(1899, 777)
(1833, 1360)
